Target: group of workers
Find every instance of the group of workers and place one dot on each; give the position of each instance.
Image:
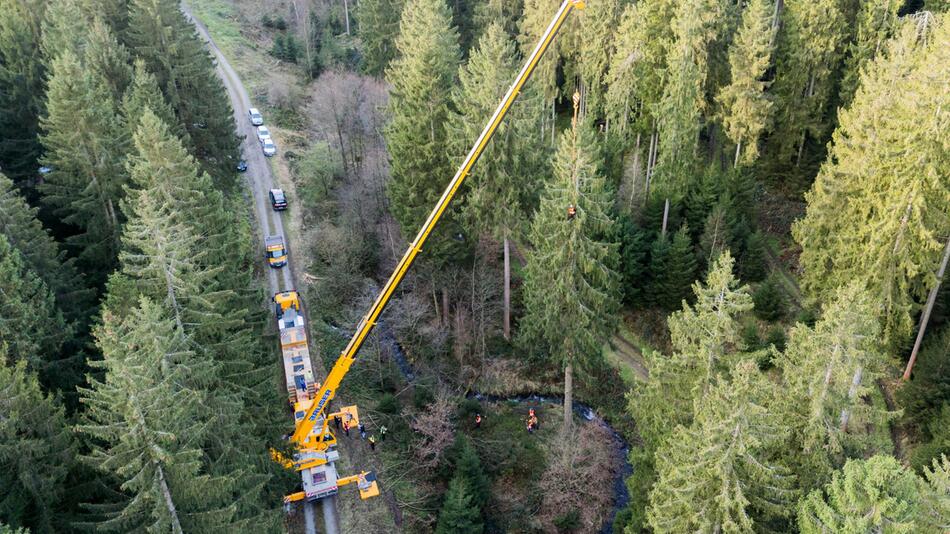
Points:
(531, 423)
(362, 430)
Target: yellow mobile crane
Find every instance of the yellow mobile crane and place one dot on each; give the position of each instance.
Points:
(312, 436)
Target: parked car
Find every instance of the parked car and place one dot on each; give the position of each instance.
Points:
(277, 199)
(241, 166)
(256, 118)
(262, 133)
(269, 147)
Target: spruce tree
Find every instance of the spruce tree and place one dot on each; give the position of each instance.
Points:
(150, 419)
(535, 18)
(745, 105)
(637, 70)
(22, 72)
(469, 467)
(33, 329)
(107, 59)
(598, 26)
(681, 108)
(659, 261)
(143, 92)
(879, 208)
(827, 371)
(680, 271)
(159, 33)
(42, 254)
(753, 266)
(378, 26)
(809, 50)
(873, 495)
(502, 186)
(572, 288)
(502, 12)
(186, 247)
(769, 301)
(936, 505)
(702, 197)
(716, 475)
(634, 249)
(717, 235)
(65, 26)
(877, 21)
(459, 515)
(422, 77)
(86, 183)
(703, 336)
(37, 451)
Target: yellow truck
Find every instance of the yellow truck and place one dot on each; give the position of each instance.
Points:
(275, 251)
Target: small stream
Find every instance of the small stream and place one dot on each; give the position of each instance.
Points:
(621, 447)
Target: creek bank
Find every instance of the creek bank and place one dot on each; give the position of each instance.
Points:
(620, 448)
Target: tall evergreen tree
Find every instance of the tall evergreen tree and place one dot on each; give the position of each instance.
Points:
(502, 187)
(378, 26)
(634, 249)
(810, 47)
(107, 59)
(33, 329)
(143, 92)
(873, 495)
(502, 12)
(880, 205)
(64, 28)
(422, 77)
(149, 419)
(877, 21)
(37, 451)
(572, 290)
(659, 262)
(42, 254)
(637, 71)
(937, 495)
(716, 474)
(159, 33)
(703, 336)
(828, 370)
(598, 26)
(680, 270)
(21, 86)
(681, 108)
(459, 515)
(85, 185)
(745, 105)
(535, 18)
(183, 248)
(469, 467)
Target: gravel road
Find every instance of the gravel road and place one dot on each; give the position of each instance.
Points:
(260, 181)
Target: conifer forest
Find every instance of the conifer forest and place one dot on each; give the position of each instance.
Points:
(689, 275)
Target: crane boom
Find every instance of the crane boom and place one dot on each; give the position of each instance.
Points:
(348, 356)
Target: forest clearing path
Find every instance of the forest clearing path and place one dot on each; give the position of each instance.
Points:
(630, 356)
(260, 180)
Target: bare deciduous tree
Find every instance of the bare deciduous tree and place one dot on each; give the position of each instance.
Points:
(578, 477)
(434, 425)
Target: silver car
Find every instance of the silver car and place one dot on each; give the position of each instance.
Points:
(256, 118)
(262, 133)
(267, 144)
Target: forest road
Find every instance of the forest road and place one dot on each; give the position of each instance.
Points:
(260, 181)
